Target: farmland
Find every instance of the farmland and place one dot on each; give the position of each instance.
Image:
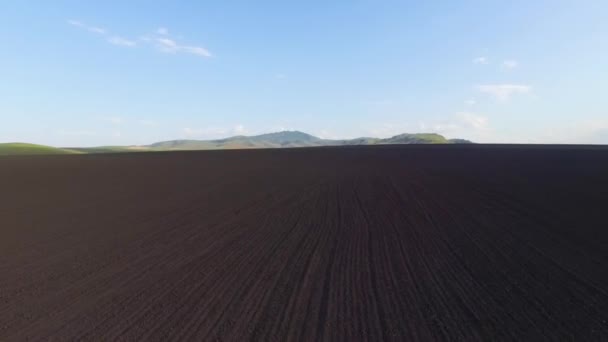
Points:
(415, 242)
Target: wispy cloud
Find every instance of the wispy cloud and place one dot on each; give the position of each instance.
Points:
(510, 64)
(583, 131)
(84, 26)
(473, 120)
(466, 125)
(190, 132)
(326, 134)
(470, 102)
(197, 50)
(169, 45)
(239, 129)
(503, 92)
(481, 60)
(116, 40)
(441, 127)
(161, 39)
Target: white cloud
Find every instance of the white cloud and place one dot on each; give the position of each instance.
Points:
(168, 45)
(197, 50)
(84, 26)
(239, 129)
(97, 30)
(121, 41)
(160, 39)
(327, 134)
(480, 60)
(464, 125)
(441, 127)
(510, 64)
(503, 92)
(470, 102)
(189, 132)
(589, 131)
(473, 120)
(114, 40)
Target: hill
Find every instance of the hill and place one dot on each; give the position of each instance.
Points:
(31, 149)
(269, 140)
(296, 139)
(420, 138)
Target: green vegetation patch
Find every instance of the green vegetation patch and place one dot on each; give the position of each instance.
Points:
(8, 149)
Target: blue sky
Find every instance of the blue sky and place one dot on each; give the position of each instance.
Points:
(77, 73)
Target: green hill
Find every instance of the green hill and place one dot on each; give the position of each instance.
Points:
(30, 149)
(296, 139)
(419, 138)
(269, 140)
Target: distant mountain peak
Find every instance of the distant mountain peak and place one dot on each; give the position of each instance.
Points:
(286, 137)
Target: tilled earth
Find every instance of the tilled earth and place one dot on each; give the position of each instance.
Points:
(415, 243)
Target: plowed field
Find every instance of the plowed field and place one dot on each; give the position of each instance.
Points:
(415, 243)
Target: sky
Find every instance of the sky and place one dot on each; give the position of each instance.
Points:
(76, 73)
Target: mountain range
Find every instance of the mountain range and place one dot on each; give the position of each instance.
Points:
(292, 139)
(282, 139)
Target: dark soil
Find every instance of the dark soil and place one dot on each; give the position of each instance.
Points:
(415, 243)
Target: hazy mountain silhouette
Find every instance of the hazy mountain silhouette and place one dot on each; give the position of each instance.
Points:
(297, 139)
